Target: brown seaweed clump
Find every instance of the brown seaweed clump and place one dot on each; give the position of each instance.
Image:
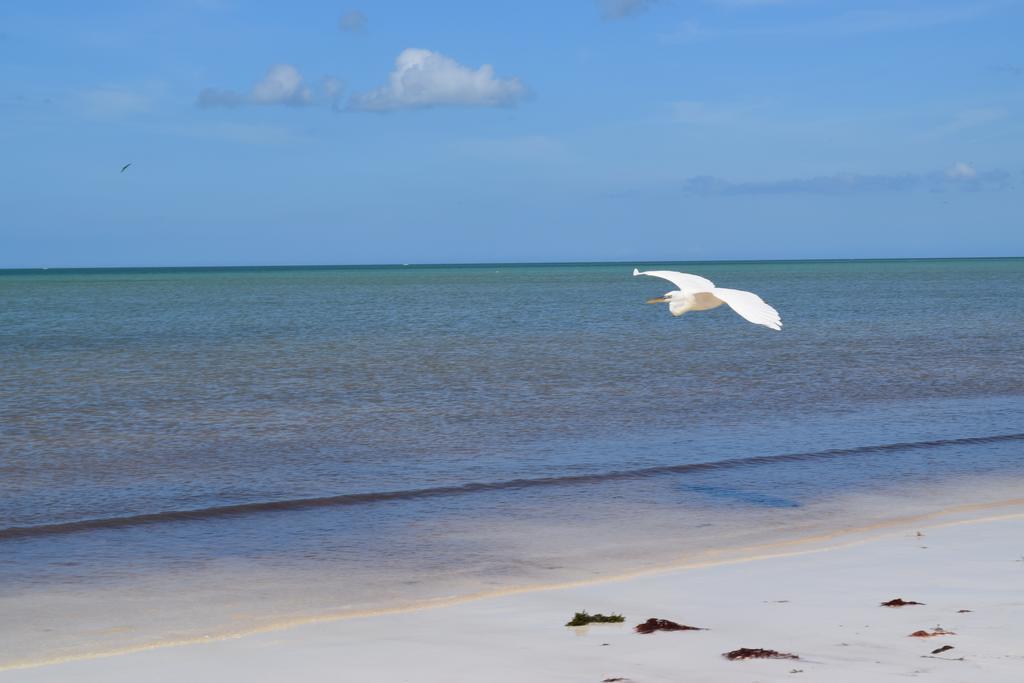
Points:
(900, 602)
(939, 631)
(652, 625)
(582, 619)
(758, 653)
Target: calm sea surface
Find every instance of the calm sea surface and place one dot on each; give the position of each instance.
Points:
(200, 451)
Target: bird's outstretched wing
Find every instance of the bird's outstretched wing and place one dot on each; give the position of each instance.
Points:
(684, 281)
(750, 306)
(125, 167)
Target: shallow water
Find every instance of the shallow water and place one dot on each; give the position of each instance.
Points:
(197, 450)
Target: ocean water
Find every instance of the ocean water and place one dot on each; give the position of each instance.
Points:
(194, 452)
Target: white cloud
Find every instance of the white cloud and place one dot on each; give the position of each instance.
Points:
(422, 78)
(961, 171)
(332, 89)
(283, 84)
(959, 176)
(352, 22)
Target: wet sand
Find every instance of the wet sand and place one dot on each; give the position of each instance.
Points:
(818, 599)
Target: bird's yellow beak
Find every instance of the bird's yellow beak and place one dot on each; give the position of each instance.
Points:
(659, 300)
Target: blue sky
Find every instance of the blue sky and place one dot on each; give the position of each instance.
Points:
(394, 132)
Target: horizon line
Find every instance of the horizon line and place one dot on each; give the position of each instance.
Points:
(472, 264)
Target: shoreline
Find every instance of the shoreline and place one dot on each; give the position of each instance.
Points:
(468, 488)
(815, 543)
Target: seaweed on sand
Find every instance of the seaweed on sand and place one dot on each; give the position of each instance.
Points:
(939, 631)
(900, 602)
(758, 653)
(582, 619)
(652, 625)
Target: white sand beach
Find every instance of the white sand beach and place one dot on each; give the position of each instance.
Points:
(818, 599)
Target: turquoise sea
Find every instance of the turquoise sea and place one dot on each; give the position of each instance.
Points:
(189, 452)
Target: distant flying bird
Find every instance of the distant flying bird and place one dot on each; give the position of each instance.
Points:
(700, 294)
(125, 167)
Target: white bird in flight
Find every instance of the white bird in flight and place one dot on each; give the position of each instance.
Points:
(696, 293)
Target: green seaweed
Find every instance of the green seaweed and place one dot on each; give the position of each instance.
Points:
(582, 619)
